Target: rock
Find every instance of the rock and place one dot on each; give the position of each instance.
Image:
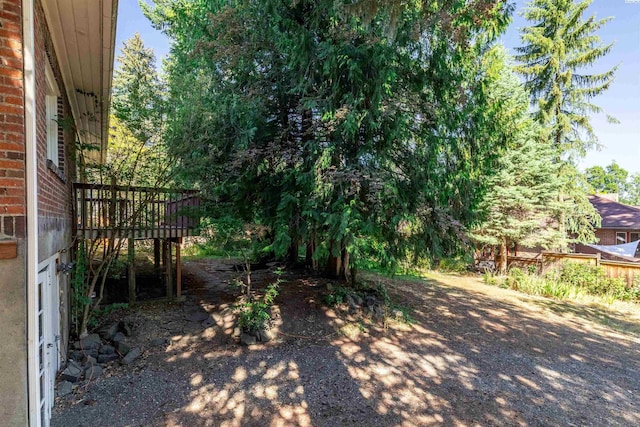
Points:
(398, 314)
(357, 299)
(92, 353)
(119, 337)
(208, 323)
(90, 342)
(131, 356)
(369, 300)
(198, 316)
(73, 372)
(247, 339)
(108, 332)
(159, 341)
(126, 328)
(122, 348)
(76, 355)
(378, 312)
(265, 335)
(106, 358)
(93, 372)
(236, 332)
(91, 360)
(107, 349)
(350, 301)
(64, 388)
(329, 287)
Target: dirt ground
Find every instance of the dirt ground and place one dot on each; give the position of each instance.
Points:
(474, 355)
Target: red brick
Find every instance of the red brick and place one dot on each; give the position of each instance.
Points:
(11, 182)
(11, 90)
(12, 210)
(12, 128)
(13, 100)
(13, 7)
(18, 120)
(10, 72)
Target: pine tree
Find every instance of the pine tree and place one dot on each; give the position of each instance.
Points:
(521, 205)
(558, 48)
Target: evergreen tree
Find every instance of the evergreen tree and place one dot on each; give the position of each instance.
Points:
(521, 205)
(558, 48)
(349, 130)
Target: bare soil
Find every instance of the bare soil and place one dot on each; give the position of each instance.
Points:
(474, 355)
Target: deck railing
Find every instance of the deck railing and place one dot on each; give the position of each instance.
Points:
(113, 211)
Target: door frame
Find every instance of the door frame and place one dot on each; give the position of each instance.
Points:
(49, 297)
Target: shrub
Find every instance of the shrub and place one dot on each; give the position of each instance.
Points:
(254, 314)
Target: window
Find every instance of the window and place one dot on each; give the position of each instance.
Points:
(634, 236)
(51, 105)
(621, 237)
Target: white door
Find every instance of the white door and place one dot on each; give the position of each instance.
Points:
(48, 324)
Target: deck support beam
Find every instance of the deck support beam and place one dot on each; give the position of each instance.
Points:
(131, 255)
(178, 268)
(169, 269)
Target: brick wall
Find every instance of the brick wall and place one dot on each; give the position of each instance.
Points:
(12, 152)
(606, 237)
(54, 183)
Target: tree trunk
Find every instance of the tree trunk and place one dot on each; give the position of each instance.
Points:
(338, 265)
(502, 266)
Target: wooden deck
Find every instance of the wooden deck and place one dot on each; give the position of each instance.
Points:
(114, 211)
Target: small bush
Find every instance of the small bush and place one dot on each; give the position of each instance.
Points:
(571, 281)
(254, 314)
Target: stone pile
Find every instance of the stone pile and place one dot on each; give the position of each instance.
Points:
(89, 356)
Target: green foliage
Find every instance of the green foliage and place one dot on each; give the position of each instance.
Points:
(79, 287)
(254, 314)
(335, 125)
(572, 281)
(459, 264)
(558, 48)
(614, 179)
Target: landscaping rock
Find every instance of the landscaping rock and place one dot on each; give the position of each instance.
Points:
(369, 300)
(106, 358)
(131, 356)
(329, 287)
(159, 342)
(93, 372)
(357, 299)
(108, 332)
(350, 301)
(64, 388)
(76, 355)
(90, 342)
(107, 349)
(123, 348)
(119, 337)
(73, 372)
(236, 332)
(91, 360)
(265, 335)
(247, 339)
(126, 328)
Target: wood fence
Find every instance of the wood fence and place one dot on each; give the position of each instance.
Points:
(548, 260)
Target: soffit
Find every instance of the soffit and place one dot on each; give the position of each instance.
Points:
(83, 34)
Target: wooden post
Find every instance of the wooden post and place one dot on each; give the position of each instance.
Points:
(169, 278)
(178, 269)
(156, 253)
(132, 271)
(598, 258)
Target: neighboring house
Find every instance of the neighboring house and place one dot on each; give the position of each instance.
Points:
(56, 65)
(620, 223)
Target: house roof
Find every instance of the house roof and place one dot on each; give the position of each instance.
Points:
(616, 215)
(83, 34)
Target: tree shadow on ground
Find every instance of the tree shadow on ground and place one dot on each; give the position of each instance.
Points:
(468, 358)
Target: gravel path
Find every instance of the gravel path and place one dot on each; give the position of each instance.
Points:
(475, 355)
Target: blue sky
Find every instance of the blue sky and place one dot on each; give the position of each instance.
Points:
(621, 142)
